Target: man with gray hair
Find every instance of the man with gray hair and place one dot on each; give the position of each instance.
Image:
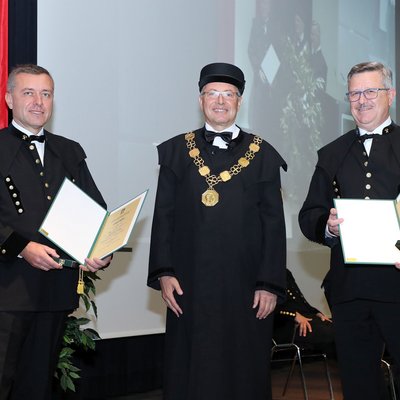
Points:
(218, 249)
(364, 163)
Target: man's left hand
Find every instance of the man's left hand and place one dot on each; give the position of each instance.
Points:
(94, 264)
(323, 317)
(265, 301)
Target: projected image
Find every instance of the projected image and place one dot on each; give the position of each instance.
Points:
(298, 56)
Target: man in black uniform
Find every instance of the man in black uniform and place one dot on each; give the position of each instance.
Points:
(218, 249)
(298, 321)
(364, 299)
(36, 293)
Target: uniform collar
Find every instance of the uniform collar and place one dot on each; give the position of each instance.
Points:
(382, 128)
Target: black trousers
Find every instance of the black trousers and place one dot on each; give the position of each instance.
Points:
(362, 328)
(29, 348)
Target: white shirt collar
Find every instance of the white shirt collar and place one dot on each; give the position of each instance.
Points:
(218, 141)
(233, 128)
(26, 131)
(39, 146)
(377, 130)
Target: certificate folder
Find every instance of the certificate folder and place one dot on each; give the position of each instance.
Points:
(370, 230)
(83, 229)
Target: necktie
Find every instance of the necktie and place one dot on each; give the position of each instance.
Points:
(210, 136)
(36, 138)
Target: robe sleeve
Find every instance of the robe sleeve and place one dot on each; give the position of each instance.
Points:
(271, 275)
(160, 261)
(172, 156)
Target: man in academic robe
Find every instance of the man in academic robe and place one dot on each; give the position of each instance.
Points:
(218, 249)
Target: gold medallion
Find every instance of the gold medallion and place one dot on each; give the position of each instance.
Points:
(210, 197)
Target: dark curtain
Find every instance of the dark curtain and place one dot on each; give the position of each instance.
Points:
(3, 61)
(22, 32)
(118, 367)
(397, 43)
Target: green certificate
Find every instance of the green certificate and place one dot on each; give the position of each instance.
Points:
(83, 229)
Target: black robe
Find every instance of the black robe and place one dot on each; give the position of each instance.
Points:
(220, 255)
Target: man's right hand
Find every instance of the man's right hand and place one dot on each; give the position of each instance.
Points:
(334, 222)
(169, 285)
(40, 256)
(304, 324)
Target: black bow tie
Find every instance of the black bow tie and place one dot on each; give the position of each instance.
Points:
(30, 138)
(36, 138)
(210, 136)
(367, 136)
(363, 138)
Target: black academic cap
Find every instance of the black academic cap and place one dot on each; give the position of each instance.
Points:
(222, 72)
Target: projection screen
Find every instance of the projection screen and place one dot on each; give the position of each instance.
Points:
(126, 75)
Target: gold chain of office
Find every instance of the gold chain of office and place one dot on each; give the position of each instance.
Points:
(211, 197)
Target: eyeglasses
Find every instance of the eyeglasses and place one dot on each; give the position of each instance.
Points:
(369, 94)
(227, 94)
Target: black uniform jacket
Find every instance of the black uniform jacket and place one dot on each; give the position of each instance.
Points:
(344, 170)
(295, 302)
(285, 313)
(26, 193)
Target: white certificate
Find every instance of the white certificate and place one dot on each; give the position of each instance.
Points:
(370, 231)
(83, 229)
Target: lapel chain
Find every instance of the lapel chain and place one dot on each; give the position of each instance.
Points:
(211, 197)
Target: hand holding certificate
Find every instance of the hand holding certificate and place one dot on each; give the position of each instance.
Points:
(84, 229)
(370, 231)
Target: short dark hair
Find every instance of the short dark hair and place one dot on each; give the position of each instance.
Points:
(32, 69)
(370, 66)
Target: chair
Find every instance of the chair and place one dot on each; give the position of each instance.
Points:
(299, 354)
(387, 366)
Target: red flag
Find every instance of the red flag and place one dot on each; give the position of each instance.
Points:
(3, 61)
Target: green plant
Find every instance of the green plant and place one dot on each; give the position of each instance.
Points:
(301, 121)
(76, 338)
